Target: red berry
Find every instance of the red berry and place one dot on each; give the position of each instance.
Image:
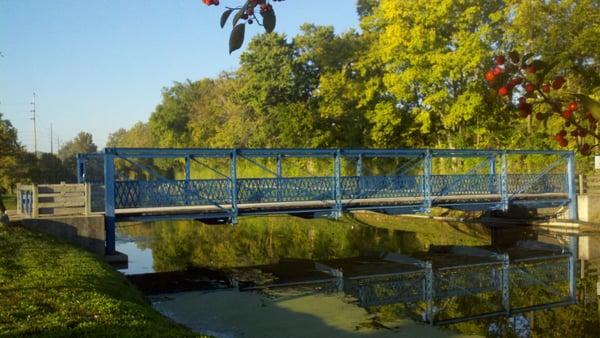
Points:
(558, 82)
(563, 143)
(503, 91)
(562, 133)
(525, 109)
(497, 70)
(529, 87)
(573, 106)
(522, 100)
(574, 133)
(500, 60)
(567, 114)
(490, 76)
(585, 149)
(546, 88)
(582, 132)
(532, 69)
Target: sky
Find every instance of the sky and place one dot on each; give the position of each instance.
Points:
(100, 65)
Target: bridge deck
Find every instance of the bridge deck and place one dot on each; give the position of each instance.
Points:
(326, 204)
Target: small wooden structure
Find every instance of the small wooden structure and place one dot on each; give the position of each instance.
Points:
(62, 199)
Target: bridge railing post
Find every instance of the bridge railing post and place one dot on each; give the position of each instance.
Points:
(428, 293)
(573, 216)
(234, 187)
(81, 168)
(427, 178)
(359, 166)
(337, 180)
(504, 202)
(505, 283)
(279, 177)
(109, 201)
(187, 179)
(492, 161)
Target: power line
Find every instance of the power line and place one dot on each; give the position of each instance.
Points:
(34, 126)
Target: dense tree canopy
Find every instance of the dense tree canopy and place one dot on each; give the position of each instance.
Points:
(10, 151)
(412, 77)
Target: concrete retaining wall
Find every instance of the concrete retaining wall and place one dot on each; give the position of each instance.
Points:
(84, 231)
(588, 207)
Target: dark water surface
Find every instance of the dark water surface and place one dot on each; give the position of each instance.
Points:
(177, 246)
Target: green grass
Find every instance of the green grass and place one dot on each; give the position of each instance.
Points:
(50, 288)
(10, 202)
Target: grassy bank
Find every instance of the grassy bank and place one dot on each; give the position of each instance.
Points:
(49, 288)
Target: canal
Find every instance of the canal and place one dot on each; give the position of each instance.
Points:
(243, 280)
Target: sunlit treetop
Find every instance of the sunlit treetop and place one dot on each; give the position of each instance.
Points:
(246, 14)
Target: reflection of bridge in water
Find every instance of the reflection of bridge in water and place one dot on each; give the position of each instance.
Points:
(486, 180)
(479, 282)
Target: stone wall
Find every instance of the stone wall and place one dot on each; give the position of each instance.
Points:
(84, 231)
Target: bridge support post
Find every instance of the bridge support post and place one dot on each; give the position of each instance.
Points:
(428, 293)
(337, 179)
(504, 202)
(427, 202)
(187, 179)
(492, 161)
(279, 176)
(109, 201)
(81, 168)
(359, 165)
(505, 283)
(234, 187)
(573, 215)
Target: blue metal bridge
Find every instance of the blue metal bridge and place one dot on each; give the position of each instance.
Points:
(413, 184)
(414, 180)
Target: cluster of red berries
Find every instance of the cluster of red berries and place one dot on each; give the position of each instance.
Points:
(515, 75)
(211, 2)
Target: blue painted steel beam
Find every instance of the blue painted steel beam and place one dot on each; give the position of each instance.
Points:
(234, 186)
(81, 159)
(109, 201)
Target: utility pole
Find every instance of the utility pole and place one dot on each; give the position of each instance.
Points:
(34, 126)
(51, 140)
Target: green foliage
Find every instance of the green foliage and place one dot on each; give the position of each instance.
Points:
(52, 289)
(266, 240)
(412, 77)
(82, 143)
(10, 150)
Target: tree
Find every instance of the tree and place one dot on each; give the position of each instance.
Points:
(170, 120)
(82, 143)
(10, 151)
(431, 89)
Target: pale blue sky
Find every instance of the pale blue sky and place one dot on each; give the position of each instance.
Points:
(100, 65)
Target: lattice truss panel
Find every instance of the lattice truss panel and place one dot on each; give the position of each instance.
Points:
(137, 194)
(539, 281)
(403, 287)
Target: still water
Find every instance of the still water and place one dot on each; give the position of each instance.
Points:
(302, 312)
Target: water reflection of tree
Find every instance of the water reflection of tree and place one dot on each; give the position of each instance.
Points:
(263, 240)
(266, 240)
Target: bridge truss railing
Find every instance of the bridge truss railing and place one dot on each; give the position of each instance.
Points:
(415, 182)
(466, 283)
